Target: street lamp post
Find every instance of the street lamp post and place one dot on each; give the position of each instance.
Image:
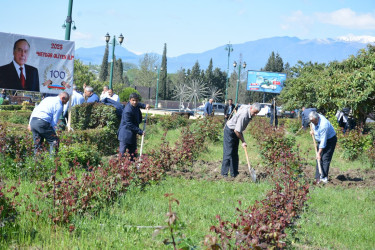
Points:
(68, 22)
(239, 76)
(229, 49)
(114, 43)
(157, 86)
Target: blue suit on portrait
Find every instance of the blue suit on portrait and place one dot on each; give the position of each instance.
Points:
(9, 78)
(129, 128)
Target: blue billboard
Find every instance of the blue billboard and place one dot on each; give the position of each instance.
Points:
(262, 81)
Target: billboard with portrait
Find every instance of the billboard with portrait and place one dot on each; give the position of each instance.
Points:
(262, 81)
(36, 64)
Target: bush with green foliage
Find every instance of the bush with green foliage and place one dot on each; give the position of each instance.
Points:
(125, 93)
(79, 153)
(104, 139)
(16, 107)
(94, 115)
(292, 125)
(353, 143)
(18, 116)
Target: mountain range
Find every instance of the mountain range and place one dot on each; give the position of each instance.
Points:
(254, 53)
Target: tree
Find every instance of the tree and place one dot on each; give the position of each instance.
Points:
(103, 74)
(82, 75)
(146, 76)
(163, 75)
(195, 74)
(274, 63)
(208, 75)
(350, 83)
(118, 72)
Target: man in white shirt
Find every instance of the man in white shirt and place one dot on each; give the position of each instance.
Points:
(43, 121)
(104, 93)
(76, 99)
(113, 96)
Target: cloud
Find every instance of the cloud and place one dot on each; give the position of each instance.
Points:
(348, 18)
(297, 21)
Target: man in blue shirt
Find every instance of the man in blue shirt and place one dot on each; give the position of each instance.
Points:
(129, 126)
(89, 95)
(43, 121)
(208, 107)
(326, 139)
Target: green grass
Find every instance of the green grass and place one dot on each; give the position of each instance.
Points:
(200, 202)
(337, 218)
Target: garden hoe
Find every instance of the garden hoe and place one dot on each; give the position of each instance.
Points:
(143, 136)
(251, 170)
(316, 152)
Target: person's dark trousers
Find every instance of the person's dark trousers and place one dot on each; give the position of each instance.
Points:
(130, 148)
(230, 154)
(326, 158)
(43, 130)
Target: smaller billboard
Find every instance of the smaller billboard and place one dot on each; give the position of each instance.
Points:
(262, 81)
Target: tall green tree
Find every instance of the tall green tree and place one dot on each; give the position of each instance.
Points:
(103, 74)
(196, 73)
(118, 72)
(146, 75)
(163, 76)
(274, 63)
(209, 75)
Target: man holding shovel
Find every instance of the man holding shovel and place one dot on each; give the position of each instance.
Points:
(233, 133)
(129, 126)
(326, 139)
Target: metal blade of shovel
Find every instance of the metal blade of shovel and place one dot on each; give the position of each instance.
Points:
(251, 170)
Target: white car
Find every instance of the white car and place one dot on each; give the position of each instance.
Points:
(265, 108)
(218, 108)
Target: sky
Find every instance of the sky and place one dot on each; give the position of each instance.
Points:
(190, 26)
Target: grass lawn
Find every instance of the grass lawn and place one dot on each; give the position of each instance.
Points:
(337, 218)
(115, 226)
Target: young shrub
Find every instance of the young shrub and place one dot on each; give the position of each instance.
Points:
(125, 93)
(94, 115)
(104, 139)
(83, 154)
(292, 125)
(352, 144)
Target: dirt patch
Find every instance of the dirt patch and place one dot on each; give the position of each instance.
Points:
(351, 178)
(211, 171)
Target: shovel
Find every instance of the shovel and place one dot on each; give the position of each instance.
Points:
(316, 152)
(251, 170)
(143, 136)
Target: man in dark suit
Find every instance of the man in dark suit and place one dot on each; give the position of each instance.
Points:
(229, 110)
(129, 126)
(16, 74)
